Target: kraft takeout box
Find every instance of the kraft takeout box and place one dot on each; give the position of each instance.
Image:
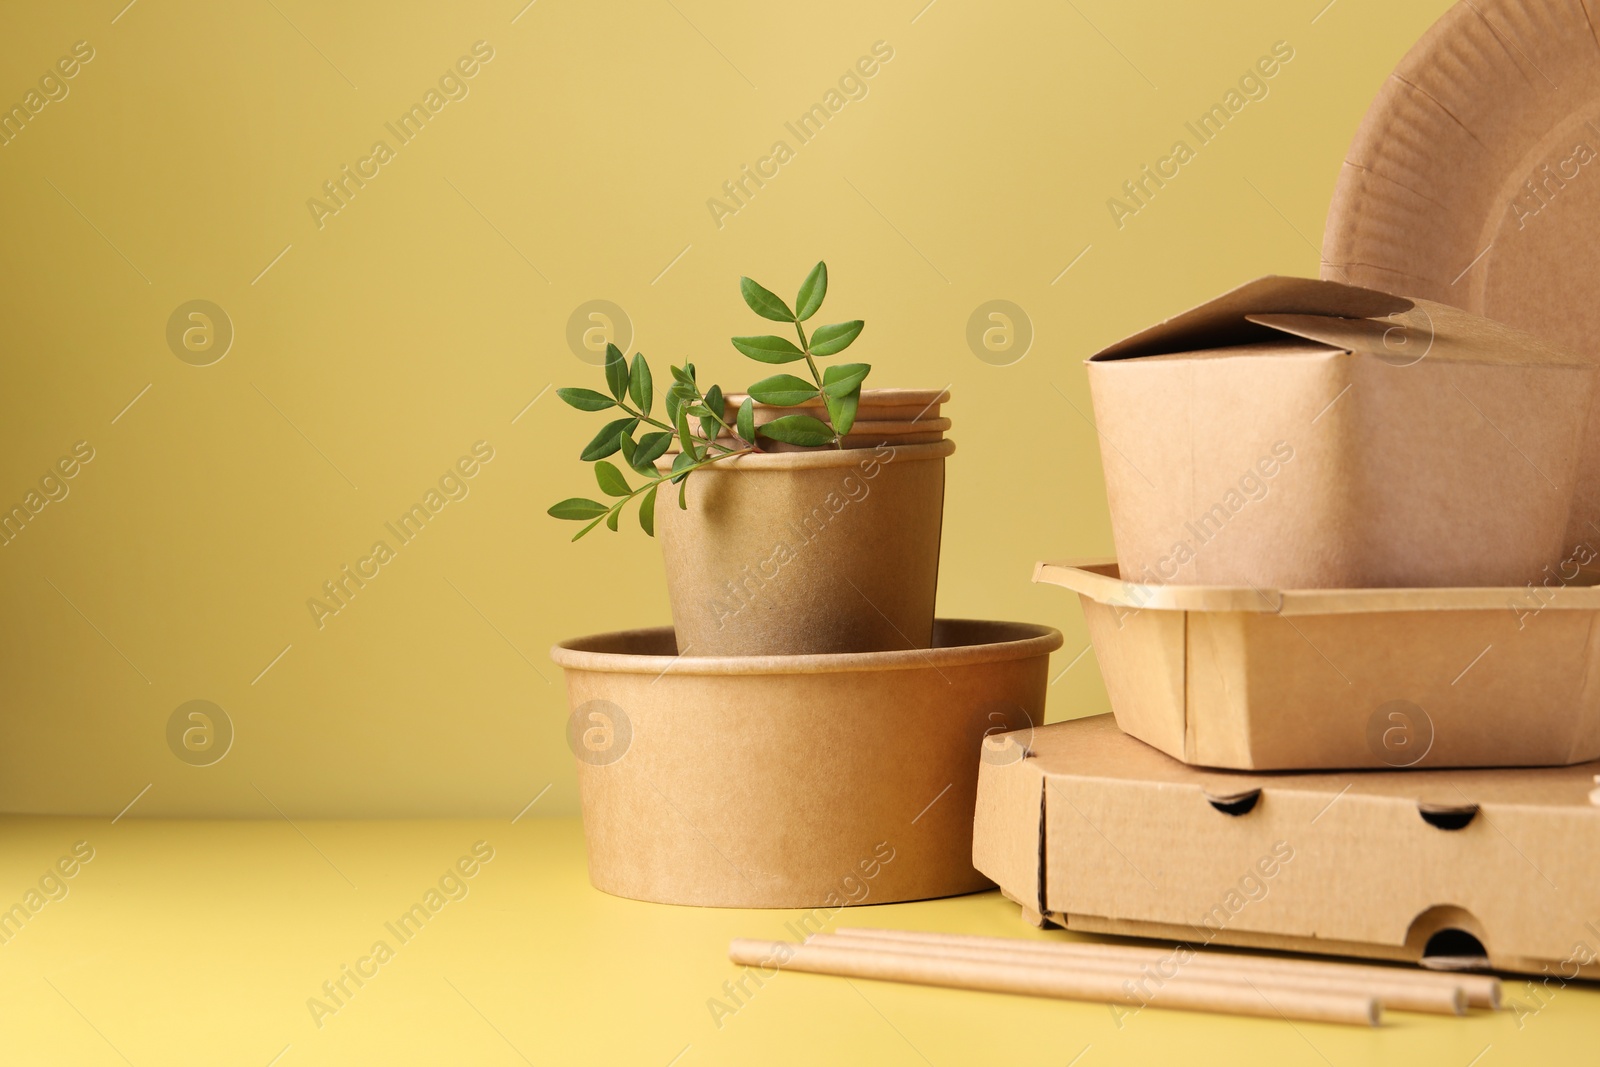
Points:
(1305, 434)
(1090, 829)
(1267, 679)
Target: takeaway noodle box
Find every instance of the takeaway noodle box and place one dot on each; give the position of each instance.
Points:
(1090, 829)
(1306, 434)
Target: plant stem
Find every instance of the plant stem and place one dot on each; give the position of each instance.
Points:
(805, 346)
(816, 376)
(662, 479)
(642, 417)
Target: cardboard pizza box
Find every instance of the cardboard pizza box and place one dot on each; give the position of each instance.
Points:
(1094, 830)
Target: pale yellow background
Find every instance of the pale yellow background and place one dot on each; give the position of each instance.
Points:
(372, 352)
(977, 167)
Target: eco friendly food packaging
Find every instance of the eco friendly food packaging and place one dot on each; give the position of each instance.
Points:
(806, 553)
(1098, 832)
(1301, 434)
(792, 781)
(1267, 679)
(883, 416)
(875, 405)
(1474, 180)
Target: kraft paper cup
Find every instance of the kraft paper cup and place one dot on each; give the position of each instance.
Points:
(805, 553)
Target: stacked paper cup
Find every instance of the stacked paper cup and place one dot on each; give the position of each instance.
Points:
(807, 733)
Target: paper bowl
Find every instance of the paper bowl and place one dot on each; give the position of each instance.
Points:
(792, 781)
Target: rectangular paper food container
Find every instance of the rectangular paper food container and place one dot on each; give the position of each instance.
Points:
(1266, 679)
(1089, 829)
(1302, 434)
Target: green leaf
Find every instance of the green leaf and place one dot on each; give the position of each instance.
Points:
(586, 399)
(716, 401)
(651, 447)
(647, 511)
(616, 371)
(764, 302)
(812, 290)
(677, 394)
(681, 375)
(577, 507)
(783, 390)
(842, 410)
(685, 438)
(746, 420)
(683, 487)
(587, 528)
(834, 338)
(769, 349)
(613, 515)
(679, 462)
(798, 430)
(629, 448)
(606, 442)
(640, 384)
(842, 379)
(612, 483)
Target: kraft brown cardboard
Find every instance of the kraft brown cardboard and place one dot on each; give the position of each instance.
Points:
(1302, 434)
(1474, 180)
(1269, 679)
(1096, 831)
(805, 553)
(792, 781)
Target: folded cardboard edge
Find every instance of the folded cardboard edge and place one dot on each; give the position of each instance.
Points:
(1099, 579)
(1404, 342)
(1224, 320)
(1008, 839)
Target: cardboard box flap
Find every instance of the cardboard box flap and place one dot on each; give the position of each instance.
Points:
(1094, 749)
(1416, 336)
(1008, 842)
(1226, 320)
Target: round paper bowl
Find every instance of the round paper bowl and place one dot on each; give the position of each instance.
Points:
(792, 781)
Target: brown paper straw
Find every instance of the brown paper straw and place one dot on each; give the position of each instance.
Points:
(1404, 996)
(1186, 992)
(1482, 991)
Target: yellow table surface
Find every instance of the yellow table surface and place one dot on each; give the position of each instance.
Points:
(203, 942)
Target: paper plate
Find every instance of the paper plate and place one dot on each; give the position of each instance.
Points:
(1474, 180)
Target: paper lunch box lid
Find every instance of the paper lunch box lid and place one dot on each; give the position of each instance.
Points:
(1341, 317)
(1097, 831)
